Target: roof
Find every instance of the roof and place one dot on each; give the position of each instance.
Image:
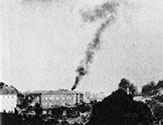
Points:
(54, 92)
(8, 94)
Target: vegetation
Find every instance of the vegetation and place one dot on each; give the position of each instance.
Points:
(120, 109)
(125, 84)
(152, 88)
(78, 115)
(155, 103)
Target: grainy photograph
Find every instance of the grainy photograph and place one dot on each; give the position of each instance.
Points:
(81, 62)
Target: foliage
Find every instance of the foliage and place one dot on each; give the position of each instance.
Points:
(125, 84)
(152, 88)
(120, 109)
(149, 89)
(158, 112)
(84, 108)
(58, 111)
(159, 84)
(38, 109)
(156, 107)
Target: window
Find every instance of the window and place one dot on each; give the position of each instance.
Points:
(57, 98)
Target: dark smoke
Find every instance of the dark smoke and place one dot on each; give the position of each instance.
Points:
(94, 45)
(100, 12)
(81, 72)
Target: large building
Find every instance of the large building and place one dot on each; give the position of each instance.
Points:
(8, 102)
(60, 98)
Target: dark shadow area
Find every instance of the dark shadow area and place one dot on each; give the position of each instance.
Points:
(120, 109)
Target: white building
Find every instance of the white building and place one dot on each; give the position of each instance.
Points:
(8, 102)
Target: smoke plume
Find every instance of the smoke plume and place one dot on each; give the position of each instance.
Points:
(106, 11)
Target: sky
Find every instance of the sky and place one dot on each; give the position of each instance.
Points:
(42, 42)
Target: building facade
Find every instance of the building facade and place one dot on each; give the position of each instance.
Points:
(60, 98)
(8, 102)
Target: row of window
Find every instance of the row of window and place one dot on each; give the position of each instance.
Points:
(59, 94)
(46, 104)
(8, 96)
(57, 98)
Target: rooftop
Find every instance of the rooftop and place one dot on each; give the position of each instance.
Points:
(52, 91)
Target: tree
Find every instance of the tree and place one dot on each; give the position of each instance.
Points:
(156, 107)
(158, 112)
(159, 84)
(125, 84)
(120, 109)
(38, 109)
(149, 89)
(133, 89)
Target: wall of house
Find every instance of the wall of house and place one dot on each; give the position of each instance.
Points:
(8, 103)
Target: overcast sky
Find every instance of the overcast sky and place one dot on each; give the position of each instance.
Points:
(43, 41)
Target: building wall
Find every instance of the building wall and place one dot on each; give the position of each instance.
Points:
(49, 100)
(8, 103)
(59, 98)
(81, 98)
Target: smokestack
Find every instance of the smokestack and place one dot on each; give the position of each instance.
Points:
(94, 45)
